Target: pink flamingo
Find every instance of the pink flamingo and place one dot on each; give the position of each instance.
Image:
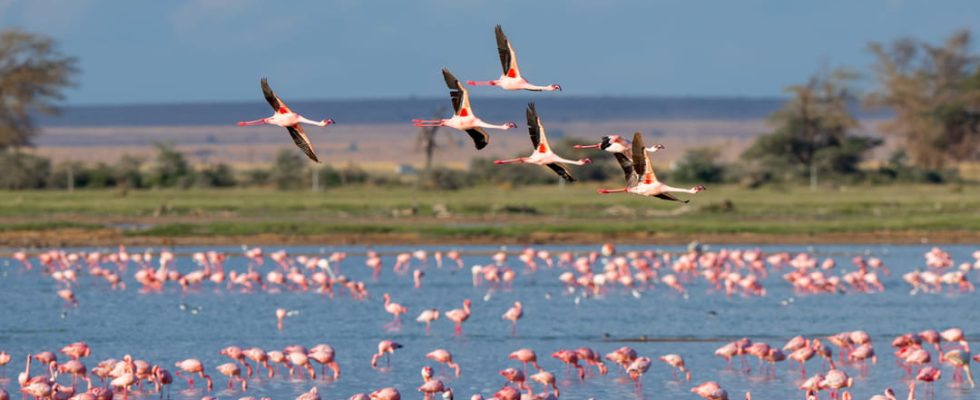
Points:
(515, 376)
(288, 119)
(260, 357)
(193, 366)
(542, 153)
(394, 309)
(570, 358)
(434, 386)
(280, 316)
(325, 355)
(547, 379)
(236, 353)
(313, 394)
(385, 348)
(525, 356)
(929, 375)
(643, 181)
(513, 314)
(388, 393)
(464, 118)
(426, 317)
(511, 78)
(677, 362)
(232, 371)
(445, 357)
(458, 316)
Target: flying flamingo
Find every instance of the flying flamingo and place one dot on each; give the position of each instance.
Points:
(511, 78)
(385, 348)
(542, 154)
(621, 148)
(513, 314)
(445, 357)
(288, 119)
(463, 118)
(426, 317)
(643, 181)
(460, 315)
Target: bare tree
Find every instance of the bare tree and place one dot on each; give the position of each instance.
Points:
(33, 74)
(935, 94)
(426, 140)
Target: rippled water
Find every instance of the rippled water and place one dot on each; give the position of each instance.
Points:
(165, 327)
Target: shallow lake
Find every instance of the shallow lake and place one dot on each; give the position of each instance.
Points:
(164, 327)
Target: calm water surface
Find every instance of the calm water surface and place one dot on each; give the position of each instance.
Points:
(169, 326)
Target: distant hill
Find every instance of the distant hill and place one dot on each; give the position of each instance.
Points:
(553, 107)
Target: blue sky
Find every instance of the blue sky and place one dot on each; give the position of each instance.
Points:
(215, 50)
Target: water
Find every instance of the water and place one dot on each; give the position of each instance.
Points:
(166, 327)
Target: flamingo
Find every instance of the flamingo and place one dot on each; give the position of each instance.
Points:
(677, 362)
(515, 376)
(388, 393)
(445, 357)
(288, 119)
(511, 78)
(643, 181)
(311, 395)
(463, 118)
(434, 386)
(960, 361)
(236, 353)
(193, 366)
(385, 348)
(325, 355)
(394, 309)
(637, 368)
(459, 316)
(929, 375)
(525, 356)
(542, 154)
(232, 371)
(513, 314)
(426, 317)
(547, 379)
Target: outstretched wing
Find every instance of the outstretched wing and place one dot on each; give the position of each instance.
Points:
(534, 127)
(299, 137)
(277, 104)
(668, 196)
(626, 164)
(641, 160)
(562, 171)
(508, 59)
(480, 137)
(458, 93)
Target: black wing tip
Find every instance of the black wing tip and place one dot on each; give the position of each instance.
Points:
(480, 145)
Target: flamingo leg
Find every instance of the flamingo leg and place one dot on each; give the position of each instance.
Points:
(511, 161)
(481, 83)
(253, 122)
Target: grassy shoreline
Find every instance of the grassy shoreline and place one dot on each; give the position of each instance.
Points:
(541, 214)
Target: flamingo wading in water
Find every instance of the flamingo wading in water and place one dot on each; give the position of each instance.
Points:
(288, 119)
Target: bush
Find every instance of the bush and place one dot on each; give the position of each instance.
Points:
(288, 171)
(700, 165)
(172, 169)
(128, 172)
(442, 178)
(23, 171)
(219, 175)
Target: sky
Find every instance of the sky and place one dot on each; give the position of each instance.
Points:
(133, 51)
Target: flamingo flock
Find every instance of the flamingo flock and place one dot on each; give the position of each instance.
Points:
(640, 178)
(923, 356)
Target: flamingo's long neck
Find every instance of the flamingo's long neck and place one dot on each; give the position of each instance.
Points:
(482, 124)
(576, 162)
(548, 88)
(674, 189)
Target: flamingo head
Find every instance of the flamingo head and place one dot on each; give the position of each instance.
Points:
(699, 188)
(655, 148)
(328, 121)
(555, 86)
(586, 161)
(510, 125)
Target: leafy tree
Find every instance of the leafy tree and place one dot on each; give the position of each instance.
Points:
(128, 172)
(172, 168)
(811, 132)
(33, 74)
(288, 170)
(934, 92)
(699, 164)
(23, 171)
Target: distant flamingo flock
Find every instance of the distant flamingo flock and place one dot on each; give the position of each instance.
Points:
(732, 272)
